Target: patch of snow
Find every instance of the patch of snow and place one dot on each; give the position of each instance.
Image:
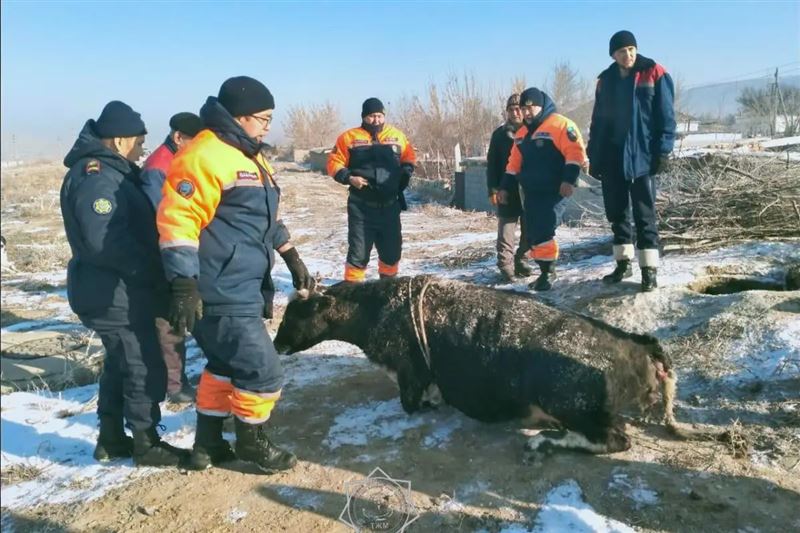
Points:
(300, 498)
(636, 489)
(235, 515)
(563, 509)
(374, 420)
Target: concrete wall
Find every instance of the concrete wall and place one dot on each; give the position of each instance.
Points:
(588, 195)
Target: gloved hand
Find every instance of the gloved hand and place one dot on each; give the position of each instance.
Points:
(595, 172)
(185, 305)
(301, 279)
(268, 293)
(406, 171)
(659, 164)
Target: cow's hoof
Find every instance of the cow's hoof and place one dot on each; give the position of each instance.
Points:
(618, 441)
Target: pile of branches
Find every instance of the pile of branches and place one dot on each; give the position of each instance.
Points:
(717, 200)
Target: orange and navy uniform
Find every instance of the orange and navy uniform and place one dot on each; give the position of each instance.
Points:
(386, 160)
(545, 154)
(218, 222)
(358, 152)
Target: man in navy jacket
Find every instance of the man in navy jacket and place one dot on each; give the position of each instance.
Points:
(631, 137)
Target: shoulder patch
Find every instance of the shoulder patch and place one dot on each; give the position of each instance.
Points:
(246, 175)
(185, 188)
(572, 135)
(93, 167)
(102, 206)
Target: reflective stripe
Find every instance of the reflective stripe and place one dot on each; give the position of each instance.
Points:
(352, 273)
(242, 183)
(209, 412)
(546, 251)
(648, 258)
(254, 407)
(178, 242)
(623, 252)
(578, 163)
(388, 270)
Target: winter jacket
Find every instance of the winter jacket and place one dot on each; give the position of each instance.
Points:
(218, 221)
(652, 131)
(114, 277)
(496, 160)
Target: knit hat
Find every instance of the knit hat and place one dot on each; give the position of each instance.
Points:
(187, 123)
(370, 106)
(119, 120)
(532, 96)
(243, 96)
(513, 100)
(621, 39)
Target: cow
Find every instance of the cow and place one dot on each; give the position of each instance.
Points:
(494, 355)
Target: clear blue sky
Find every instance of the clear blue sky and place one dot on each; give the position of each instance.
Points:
(62, 61)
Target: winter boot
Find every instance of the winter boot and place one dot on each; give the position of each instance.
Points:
(649, 281)
(253, 445)
(507, 273)
(521, 267)
(209, 446)
(112, 443)
(545, 280)
(622, 271)
(150, 450)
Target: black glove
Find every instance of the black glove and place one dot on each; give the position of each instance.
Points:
(301, 279)
(406, 170)
(268, 293)
(185, 305)
(659, 164)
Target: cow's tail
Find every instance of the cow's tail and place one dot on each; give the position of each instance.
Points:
(669, 387)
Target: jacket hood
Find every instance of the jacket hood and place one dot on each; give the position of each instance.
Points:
(548, 108)
(222, 123)
(89, 144)
(641, 63)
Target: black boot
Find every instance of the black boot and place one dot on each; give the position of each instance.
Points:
(253, 445)
(622, 271)
(112, 443)
(545, 280)
(150, 450)
(649, 281)
(522, 268)
(209, 446)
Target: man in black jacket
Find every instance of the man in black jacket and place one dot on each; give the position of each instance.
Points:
(115, 282)
(509, 263)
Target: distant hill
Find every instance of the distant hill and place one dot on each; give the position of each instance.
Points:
(720, 99)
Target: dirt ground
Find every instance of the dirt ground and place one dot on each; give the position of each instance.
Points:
(482, 479)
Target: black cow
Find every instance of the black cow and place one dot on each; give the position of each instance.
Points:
(494, 355)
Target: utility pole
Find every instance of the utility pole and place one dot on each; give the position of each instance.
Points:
(773, 108)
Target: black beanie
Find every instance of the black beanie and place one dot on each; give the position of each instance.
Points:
(531, 96)
(186, 123)
(243, 96)
(370, 106)
(119, 120)
(621, 39)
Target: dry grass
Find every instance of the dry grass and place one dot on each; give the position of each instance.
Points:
(20, 472)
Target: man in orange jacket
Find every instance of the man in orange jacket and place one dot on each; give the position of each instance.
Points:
(376, 161)
(218, 226)
(545, 162)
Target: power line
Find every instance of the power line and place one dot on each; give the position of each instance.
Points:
(765, 74)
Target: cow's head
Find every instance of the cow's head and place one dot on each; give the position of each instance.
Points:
(304, 323)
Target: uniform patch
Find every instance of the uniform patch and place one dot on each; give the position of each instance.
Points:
(93, 167)
(359, 142)
(185, 188)
(102, 206)
(572, 135)
(246, 175)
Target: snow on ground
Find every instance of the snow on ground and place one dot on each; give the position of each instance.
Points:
(37, 432)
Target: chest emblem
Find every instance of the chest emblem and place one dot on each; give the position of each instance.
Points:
(102, 206)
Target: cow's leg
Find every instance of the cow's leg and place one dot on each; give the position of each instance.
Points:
(536, 418)
(615, 441)
(411, 388)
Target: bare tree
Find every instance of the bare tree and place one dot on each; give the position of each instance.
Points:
(567, 88)
(313, 126)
